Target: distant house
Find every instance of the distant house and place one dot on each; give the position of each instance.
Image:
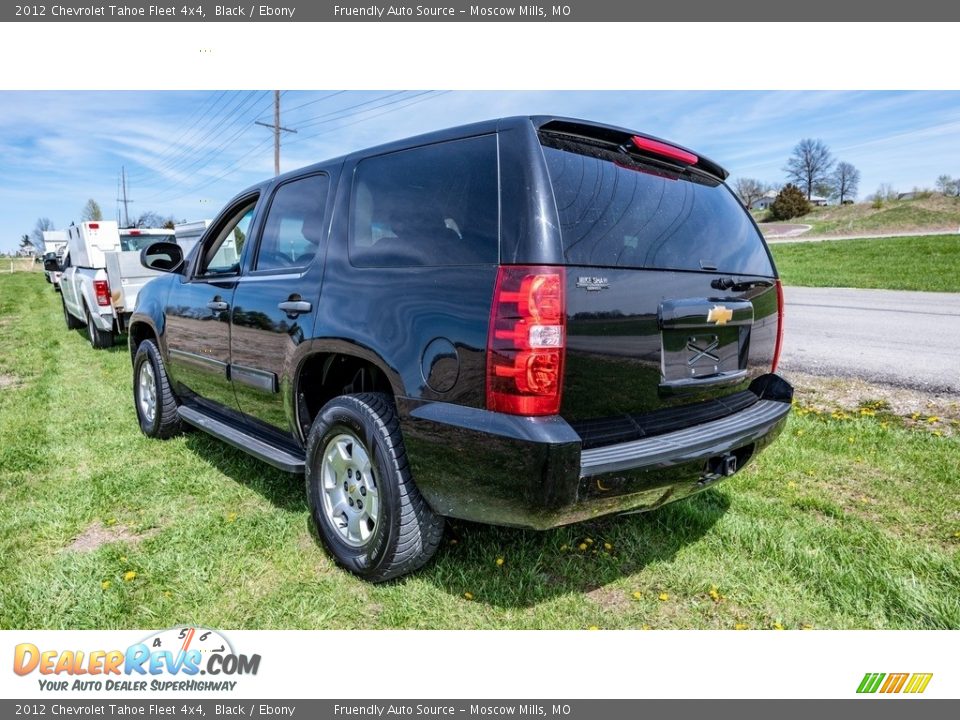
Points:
(764, 202)
(27, 250)
(818, 201)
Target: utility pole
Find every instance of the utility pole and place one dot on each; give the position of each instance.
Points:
(277, 129)
(123, 198)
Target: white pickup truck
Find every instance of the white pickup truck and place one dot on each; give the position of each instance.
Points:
(102, 275)
(54, 245)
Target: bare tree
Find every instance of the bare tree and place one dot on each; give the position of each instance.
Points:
(42, 225)
(749, 191)
(948, 186)
(151, 219)
(846, 180)
(91, 211)
(810, 164)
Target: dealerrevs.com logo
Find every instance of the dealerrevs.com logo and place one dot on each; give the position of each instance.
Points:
(169, 660)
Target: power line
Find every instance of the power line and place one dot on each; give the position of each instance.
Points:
(211, 132)
(171, 149)
(231, 168)
(319, 99)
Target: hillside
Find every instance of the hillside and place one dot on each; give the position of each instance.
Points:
(934, 212)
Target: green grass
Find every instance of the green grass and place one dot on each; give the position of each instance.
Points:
(930, 262)
(845, 522)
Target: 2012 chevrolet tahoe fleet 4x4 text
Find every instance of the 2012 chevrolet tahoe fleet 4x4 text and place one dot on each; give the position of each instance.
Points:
(528, 322)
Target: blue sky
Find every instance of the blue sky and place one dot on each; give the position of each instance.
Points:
(186, 153)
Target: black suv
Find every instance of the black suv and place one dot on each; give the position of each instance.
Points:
(530, 321)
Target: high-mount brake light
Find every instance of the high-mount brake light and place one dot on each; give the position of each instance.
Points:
(102, 291)
(779, 345)
(94, 226)
(668, 151)
(526, 343)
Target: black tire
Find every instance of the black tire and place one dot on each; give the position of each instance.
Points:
(165, 422)
(407, 532)
(70, 320)
(99, 339)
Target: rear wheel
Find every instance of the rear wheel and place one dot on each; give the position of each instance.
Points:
(152, 395)
(368, 511)
(70, 320)
(99, 339)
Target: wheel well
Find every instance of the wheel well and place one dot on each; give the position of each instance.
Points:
(138, 333)
(324, 376)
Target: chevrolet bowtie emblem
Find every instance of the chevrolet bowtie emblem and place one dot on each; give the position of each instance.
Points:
(720, 315)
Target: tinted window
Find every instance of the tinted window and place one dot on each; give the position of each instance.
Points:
(434, 205)
(293, 231)
(616, 212)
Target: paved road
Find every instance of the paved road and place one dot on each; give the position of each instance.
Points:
(910, 339)
(774, 239)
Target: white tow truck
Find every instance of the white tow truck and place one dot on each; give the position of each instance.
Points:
(102, 275)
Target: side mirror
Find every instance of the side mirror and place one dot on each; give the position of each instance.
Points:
(162, 255)
(51, 264)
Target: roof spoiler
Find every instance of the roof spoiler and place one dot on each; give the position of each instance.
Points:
(630, 142)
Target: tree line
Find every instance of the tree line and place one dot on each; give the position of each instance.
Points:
(91, 212)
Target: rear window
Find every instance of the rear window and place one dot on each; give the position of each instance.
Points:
(428, 206)
(616, 212)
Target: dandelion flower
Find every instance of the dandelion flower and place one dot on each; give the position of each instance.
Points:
(564, 548)
(105, 584)
(637, 595)
(741, 626)
(777, 626)
(468, 595)
(607, 546)
(589, 541)
(499, 561)
(663, 597)
(593, 627)
(582, 546)
(129, 575)
(231, 517)
(932, 419)
(715, 594)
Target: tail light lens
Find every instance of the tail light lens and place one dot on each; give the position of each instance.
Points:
(527, 340)
(102, 291)
(779, 345)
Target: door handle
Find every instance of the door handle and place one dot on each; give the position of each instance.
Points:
(295, 307)
(217, 305)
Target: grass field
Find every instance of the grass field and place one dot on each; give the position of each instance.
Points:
(850, 520)
(934, 212)
(929, 262)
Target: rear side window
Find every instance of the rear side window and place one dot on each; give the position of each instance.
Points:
(616, 212)
(293, 232)
(428, 206)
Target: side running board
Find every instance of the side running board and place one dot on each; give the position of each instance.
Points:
(269, 453)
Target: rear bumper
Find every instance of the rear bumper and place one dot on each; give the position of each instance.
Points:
(531, 472)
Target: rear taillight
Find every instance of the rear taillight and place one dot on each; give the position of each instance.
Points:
(779, 345)
(527, 340)
(102, 291)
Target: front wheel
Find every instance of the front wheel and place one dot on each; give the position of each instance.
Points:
(152, 395)
(367, 509)
(99, 339)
